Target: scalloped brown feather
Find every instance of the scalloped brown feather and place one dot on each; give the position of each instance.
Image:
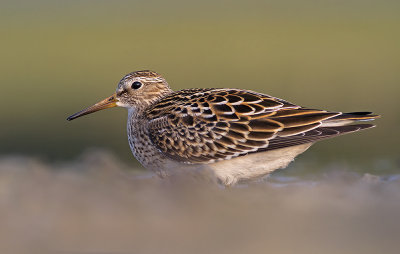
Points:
(209, 125)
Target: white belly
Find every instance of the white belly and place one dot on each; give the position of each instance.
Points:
(229, 172)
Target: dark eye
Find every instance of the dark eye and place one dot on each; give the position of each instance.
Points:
(136, 85)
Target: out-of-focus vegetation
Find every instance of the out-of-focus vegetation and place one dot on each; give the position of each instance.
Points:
(58, 57)
(94, 205)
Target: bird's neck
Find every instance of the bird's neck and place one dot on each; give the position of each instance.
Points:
(138, 112)
(135, 113)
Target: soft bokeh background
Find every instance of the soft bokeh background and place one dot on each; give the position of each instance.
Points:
(57, 57)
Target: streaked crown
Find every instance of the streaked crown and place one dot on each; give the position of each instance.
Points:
(141, 88)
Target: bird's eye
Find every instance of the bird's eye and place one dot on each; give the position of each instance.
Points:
(136, 85)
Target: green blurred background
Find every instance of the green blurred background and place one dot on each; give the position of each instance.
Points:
(58, 57)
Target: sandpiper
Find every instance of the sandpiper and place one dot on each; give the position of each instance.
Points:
(235, 134)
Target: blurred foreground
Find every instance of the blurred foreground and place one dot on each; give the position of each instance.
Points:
(97, 205)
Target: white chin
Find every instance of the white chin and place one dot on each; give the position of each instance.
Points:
(120, 104)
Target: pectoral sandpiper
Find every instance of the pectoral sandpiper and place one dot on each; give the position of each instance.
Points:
(234, 134)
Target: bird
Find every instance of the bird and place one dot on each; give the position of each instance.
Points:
(234, 135)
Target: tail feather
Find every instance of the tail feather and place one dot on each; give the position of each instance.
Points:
(314, 135)
(349, 118)
(332, 127)
(356, 116)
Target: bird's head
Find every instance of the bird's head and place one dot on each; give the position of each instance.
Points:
(135, 90)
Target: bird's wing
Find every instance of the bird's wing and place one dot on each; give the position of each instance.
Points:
(314, 135)
(208, 125)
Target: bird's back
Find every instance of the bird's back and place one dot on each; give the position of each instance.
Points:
(210, 125)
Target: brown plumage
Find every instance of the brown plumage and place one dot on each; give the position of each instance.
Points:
(209, 125)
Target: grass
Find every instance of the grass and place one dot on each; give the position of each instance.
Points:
(96, 204)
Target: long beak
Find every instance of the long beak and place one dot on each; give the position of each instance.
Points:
(106, 103)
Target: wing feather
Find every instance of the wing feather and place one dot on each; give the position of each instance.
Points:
(314, 135)
(208, 125)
